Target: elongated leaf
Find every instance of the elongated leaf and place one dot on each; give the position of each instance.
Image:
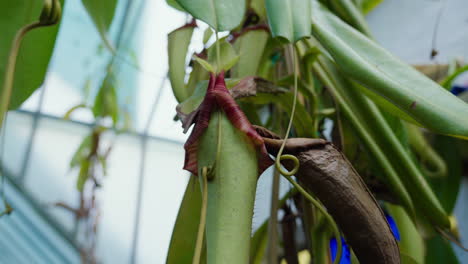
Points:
(220, 14)
(35, 52)
(289, 19)
(178, 42)
(102, 13)
(250, 48)
(184, 235)
(376, 69)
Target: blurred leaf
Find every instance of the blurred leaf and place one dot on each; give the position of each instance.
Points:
(221, 15)
(82, 152)
(105, 103)
(35, 51)
(227, 55)
(303, 122)
(440, 251)
(198, 74)
(178, 43)
(207, 35)
(175, 5)
(448, 81)
(83, 174)
(102, 13)
(375, 68)
(184, 235)
(447, 188)
(353, 15)
(198, 95)
(250, 48)
(259, 7)
(289, 19)
(411, 243)
(205, 64)
(258, 244)
(367, 5)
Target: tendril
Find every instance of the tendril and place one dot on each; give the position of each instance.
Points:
(201, 226)
(280, 155)
(288, 174)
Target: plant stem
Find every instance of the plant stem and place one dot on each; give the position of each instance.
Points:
(10, 69)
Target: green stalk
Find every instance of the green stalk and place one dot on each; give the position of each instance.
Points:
(231, 191)
(10, 69)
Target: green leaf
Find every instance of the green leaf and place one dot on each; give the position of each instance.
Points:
(178, 43)
(184, 235)
(258, 244)
(221, 15)
(367, 5)
(106, 103)
(447, 82)
(207, 35)
(350, 13)
(205, 64)
(303, 122)
(259, 7)
(227, 55)
(102, 13)
(411, 243)
(440, 251)
(378, 70)
(250, 48)
(35, 52)
(447, 188)
(175, 5)
(289, 19)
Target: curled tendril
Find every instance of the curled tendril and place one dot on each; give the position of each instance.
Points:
(295, 160)
(51, 12)
(280, 155)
